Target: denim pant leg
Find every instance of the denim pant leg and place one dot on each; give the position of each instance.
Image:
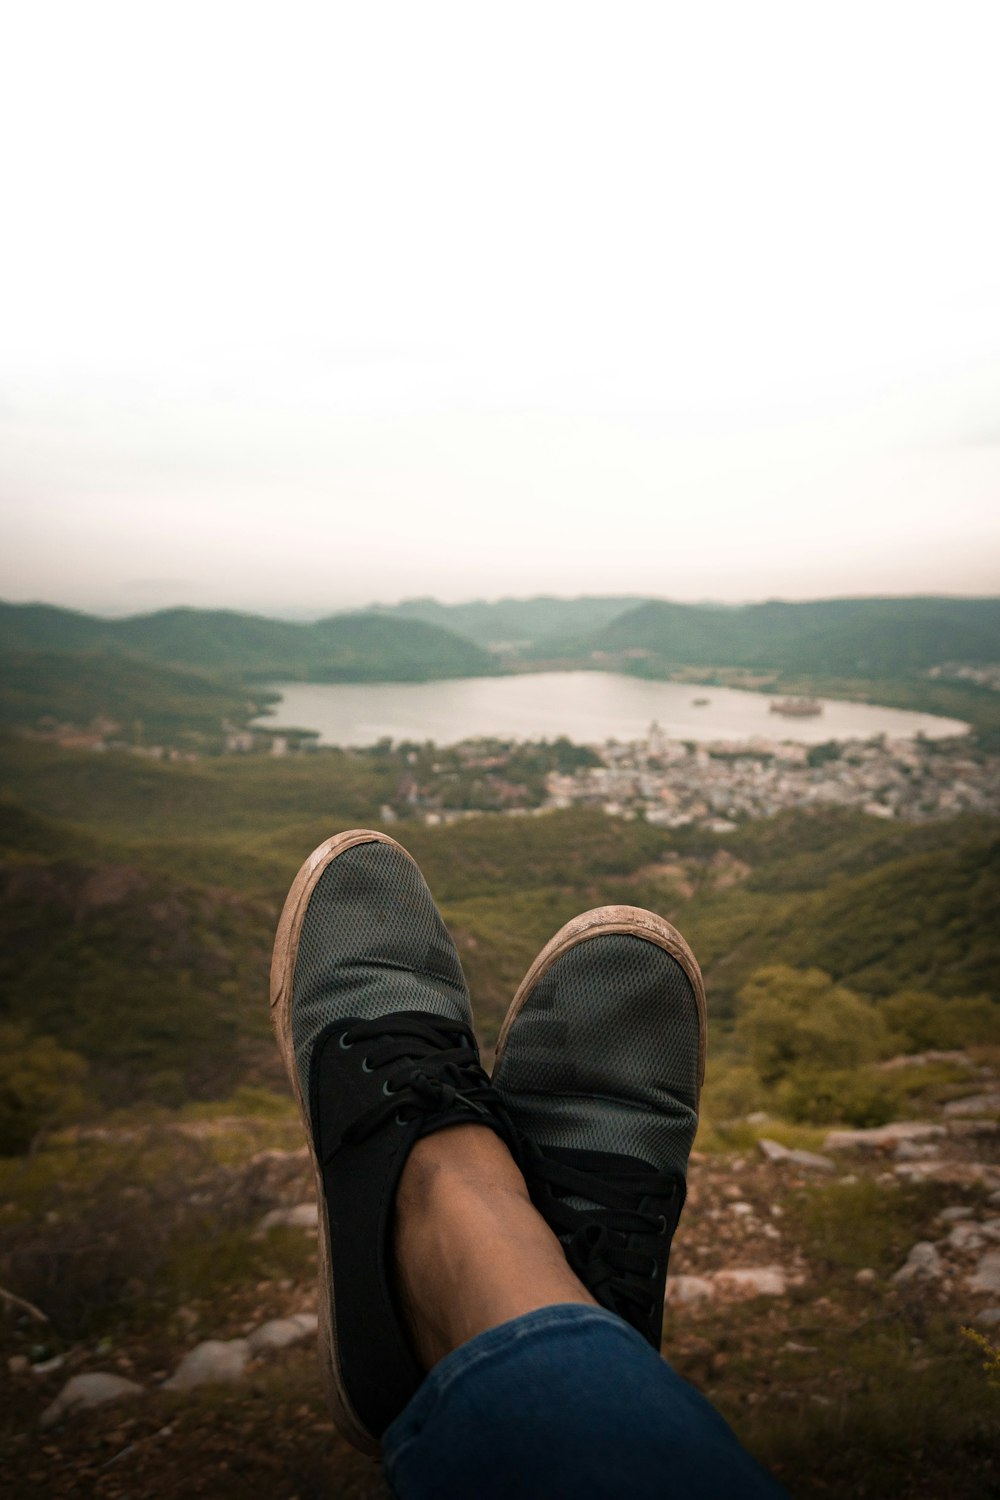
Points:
(567, 1403)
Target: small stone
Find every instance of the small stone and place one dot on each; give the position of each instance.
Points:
(49, 1366)
(685, 1289)
(966, 1236)
(758, 1117)
(772, 1150)
(916, 1151)
(959, 1211)
(957, 1173)
(865, 1277)
(974, 1104)
(988, 1318)
(741, 1208)
(755, 1281)
(810, 1160)
(280, 1333)
(84, 1391)
(302, 1216)
(792, 1348)
(17, 1364)
(994, 1199)
(986, 1277)
(882, 1137)
(212, 1362)
(922, 1264)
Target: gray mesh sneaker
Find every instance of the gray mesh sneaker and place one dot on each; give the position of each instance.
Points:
(600, 1063)
(374, 1023)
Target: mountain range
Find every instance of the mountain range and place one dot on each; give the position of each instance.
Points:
(421, 639)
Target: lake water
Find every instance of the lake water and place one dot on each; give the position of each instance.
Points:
(587, 707)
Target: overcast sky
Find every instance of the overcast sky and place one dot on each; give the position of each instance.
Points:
(308, 305)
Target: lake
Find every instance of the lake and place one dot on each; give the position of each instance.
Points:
(587, 707)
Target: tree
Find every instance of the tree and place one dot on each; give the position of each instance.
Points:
(790, 1018)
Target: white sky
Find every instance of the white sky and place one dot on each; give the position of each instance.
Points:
(307, 305)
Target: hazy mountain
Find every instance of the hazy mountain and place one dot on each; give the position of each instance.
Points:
(345, 648)
(540, 620)
(865, 637)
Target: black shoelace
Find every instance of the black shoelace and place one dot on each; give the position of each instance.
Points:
(616, 1243)
(431, 1067)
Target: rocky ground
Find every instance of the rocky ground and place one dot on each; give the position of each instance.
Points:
(817, 1295)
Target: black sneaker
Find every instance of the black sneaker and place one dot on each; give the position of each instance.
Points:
(373, 1019)
(600, 1063)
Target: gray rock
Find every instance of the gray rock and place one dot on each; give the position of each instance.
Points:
(916, 1151)
(988, 1318)
(753, 1281)
(216, 1361)
(302, 1216)
(922, 1264)
(966, 1236)
(882, 1137)
(280, 1333)
(84, 1391)
(958, 1173)
(921, 1059)
(975, 1104)
(959, 1211)
(685, 1289)
(865, 1277)
(986, 1277)
(775, 1151)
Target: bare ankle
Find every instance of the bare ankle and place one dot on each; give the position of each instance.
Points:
(471, 1250)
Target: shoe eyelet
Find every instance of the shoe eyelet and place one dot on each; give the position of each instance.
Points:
(387, 1089)
(366, 1065)
(654, 1273)
(661, 1224)
(400, 1120)
(343, 1043)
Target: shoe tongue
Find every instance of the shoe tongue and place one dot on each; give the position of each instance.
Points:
(601, 1163)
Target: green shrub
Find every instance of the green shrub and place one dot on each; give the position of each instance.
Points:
(732, 1091)
(840, 1096)
(927, 1021)
(40, 1086)
(787, 1018)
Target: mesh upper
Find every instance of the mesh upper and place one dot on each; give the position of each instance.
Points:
(603, 1054)
(372, 942)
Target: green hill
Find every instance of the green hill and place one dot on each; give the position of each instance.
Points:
(78, 689)
(343, 648)
(139, 900)
(853, 637)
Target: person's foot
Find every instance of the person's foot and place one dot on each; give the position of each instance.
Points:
(600, 1063)
(373, 1020)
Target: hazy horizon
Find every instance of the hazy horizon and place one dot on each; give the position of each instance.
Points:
(374, 302)
(300, 616)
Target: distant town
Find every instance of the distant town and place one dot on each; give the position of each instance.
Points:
(671, 783)
(717, 785)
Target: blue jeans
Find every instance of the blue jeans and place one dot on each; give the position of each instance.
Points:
(567, 1403)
